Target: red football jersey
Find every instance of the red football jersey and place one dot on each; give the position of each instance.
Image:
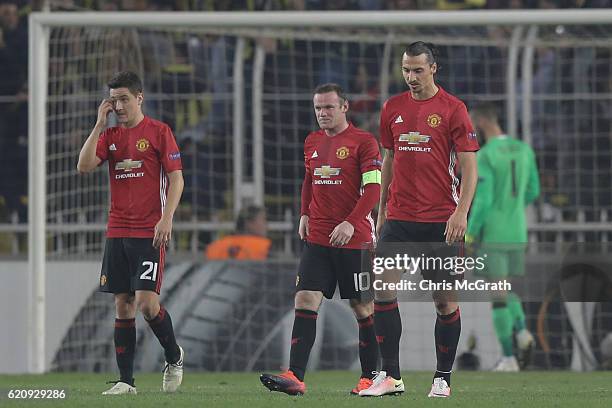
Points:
(336, 164)
(139, 160)
(425, 136)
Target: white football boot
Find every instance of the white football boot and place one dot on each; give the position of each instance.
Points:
(382, 384)
(439, 389)
(173, 374)
(120, 388)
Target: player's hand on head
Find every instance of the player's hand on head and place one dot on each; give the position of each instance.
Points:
(303, 227)
(163, 232)
(342, 234)
(455, 227)
(104, 109)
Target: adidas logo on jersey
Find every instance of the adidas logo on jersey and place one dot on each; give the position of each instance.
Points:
(314, 155)
(399, 119)
(112, 147)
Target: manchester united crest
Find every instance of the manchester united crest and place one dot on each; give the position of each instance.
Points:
(142, 145)
(434, 120)
(342, 153)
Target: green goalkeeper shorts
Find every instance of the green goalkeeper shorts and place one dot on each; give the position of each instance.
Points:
(500, 264)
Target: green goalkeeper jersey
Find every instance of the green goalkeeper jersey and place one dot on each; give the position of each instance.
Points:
(507, 182)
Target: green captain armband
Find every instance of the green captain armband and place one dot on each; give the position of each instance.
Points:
(370, 177)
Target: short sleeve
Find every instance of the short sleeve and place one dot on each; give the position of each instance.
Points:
(102, 146)
(386, 136)
(169, 152)
(309, 150)
(306, 159)
(369, 155)
(462, 131)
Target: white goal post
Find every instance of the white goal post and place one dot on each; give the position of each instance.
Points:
(41, 23)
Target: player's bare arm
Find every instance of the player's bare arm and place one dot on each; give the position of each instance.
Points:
(342, 234)
(163, 229)
(457, 223)
(88, 160)
(303, 227)
(387, 175)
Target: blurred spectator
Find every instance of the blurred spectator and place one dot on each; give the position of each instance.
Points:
(105, 5)
(460, 4)
(314, 4)
(364, 106)
(370, 4)
(501, 34)
(65, 5)
(249, 242)
(6, 238)
(591, 3)
(494, 71)
(548, 4)
(14, 112)
(296, 5)
(13, 49)
(403, 5)
(505, 4)
(340, 5)
(136, 5)
(220, 82)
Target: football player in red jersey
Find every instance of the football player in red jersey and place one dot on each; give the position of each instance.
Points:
(341, 187)
(146, 183)
(424, 132)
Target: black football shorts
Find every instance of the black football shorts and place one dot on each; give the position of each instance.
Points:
(131, 264)
(321, 268)
(430, 241)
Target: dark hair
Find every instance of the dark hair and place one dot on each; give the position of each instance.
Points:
(419, 47)
(247, 214)
(126, 79)
(486, 110)
(331, 87)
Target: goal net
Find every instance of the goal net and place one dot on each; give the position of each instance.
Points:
(238, 98)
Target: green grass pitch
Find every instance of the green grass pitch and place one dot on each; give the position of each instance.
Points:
(325, 389)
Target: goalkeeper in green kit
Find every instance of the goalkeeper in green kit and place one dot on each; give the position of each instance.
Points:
(507, 182)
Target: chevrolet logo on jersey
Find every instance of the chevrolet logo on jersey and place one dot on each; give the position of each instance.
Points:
(326, 171)
(414, 138)
(128, 165)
